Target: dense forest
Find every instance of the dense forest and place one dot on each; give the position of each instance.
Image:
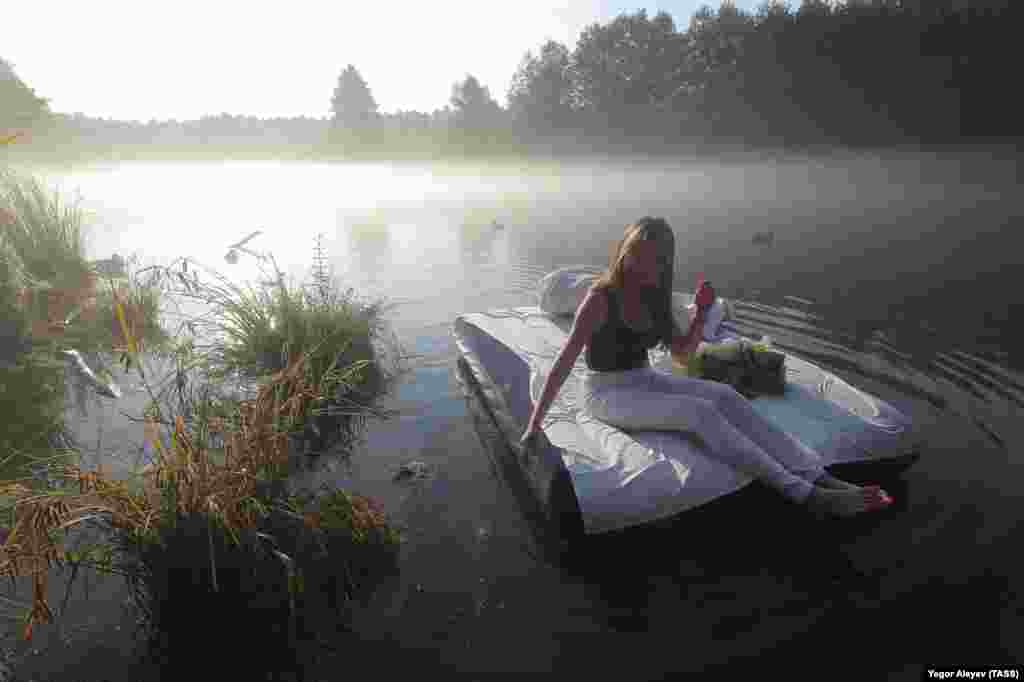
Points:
(867, 73)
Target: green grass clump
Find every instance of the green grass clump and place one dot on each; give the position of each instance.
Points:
(31, 380)
(51, 300)
(13, 320)
(43, 230)
(365, 519)
(63, 298)
(264, 327)
(258, 331)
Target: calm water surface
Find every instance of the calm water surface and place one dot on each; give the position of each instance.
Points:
(898, 274)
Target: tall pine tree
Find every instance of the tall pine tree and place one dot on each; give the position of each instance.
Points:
(353, 103)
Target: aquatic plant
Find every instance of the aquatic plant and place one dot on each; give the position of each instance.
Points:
(62, 293)
(185, 481)
(226, 488)
(52, 299)
(252, 332)
(321, 276)
(43, 230)
(31, 380)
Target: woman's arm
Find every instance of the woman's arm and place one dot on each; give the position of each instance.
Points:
(592, 315)
(683, 344)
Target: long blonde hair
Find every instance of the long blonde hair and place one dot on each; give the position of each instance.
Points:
(614, 277)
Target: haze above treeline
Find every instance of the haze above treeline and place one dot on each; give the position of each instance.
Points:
(855, 74)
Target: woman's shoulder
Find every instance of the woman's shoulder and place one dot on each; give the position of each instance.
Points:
(597, 299)
(602, 289)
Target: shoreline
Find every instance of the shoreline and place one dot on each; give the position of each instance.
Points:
(991, 149)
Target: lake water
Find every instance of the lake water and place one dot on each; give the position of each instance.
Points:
(899, 274)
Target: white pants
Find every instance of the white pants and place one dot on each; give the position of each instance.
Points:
(646, 399)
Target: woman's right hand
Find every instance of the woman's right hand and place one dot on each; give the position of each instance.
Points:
(705, 296)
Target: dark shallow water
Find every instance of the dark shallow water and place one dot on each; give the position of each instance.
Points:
(899, 277)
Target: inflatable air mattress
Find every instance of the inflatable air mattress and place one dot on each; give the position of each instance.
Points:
(593, 477)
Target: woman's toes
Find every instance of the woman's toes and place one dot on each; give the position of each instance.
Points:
(877, 499)
(881, 494)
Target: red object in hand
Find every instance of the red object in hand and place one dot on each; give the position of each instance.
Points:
(705, 293)
(705, 296)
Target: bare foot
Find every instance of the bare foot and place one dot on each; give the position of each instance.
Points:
(845, 503)
(827, 480)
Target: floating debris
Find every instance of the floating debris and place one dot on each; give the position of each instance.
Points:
(414, 470)
(990, 432)
(77, 363)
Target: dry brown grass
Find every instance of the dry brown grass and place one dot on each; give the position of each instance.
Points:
(184, 479)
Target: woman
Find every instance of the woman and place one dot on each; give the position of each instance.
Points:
(626, 312)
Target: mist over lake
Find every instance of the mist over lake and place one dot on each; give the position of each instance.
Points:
(898, 241)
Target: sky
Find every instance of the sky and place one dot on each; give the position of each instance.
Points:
(133, 61)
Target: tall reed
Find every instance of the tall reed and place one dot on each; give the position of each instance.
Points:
(52, 299)
(187, 478)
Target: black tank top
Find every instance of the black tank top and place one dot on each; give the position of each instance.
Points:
(616, 347)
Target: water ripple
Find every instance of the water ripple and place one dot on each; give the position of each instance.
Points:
(981, 390)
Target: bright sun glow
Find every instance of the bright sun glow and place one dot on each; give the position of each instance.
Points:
(143, 61)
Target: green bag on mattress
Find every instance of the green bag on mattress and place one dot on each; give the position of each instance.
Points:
(752, 369)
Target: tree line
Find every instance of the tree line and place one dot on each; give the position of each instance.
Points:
(856, 73)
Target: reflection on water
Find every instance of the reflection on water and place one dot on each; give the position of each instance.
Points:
(369, 244)
(850, 282)
(481, 244)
